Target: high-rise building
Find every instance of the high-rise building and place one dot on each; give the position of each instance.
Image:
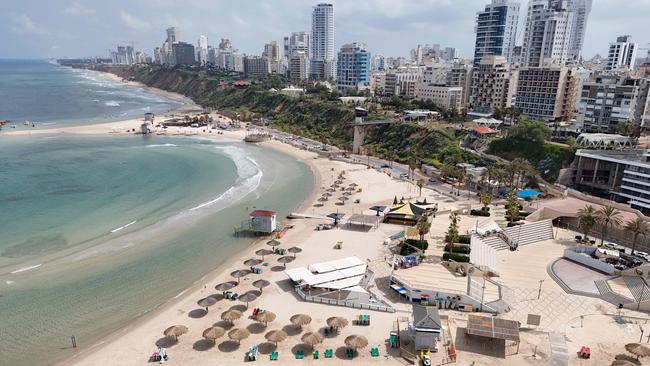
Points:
(548, 31)
(622, 54)
(353, 67)
(202, 50)
(546, 93)
(298, 41)
(611, 99)
(173, 35)
(493, 84)
(183, 53)
(461, 75)
(256, 66)
(322, 42)
(581, 10)
(496, 30)
(299, 66)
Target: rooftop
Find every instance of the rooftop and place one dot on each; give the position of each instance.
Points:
(426, 317)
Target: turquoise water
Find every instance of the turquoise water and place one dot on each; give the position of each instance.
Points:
(96, 231)
(53, 96)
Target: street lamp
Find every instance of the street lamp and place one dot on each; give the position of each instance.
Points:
(539, 293)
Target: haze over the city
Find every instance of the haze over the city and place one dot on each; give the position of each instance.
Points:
(79, 28)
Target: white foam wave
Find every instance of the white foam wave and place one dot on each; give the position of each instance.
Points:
(112, 103)
(124, 226)
(161, 145)
(25, 269)
(250, 176)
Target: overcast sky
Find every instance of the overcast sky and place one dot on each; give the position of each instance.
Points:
(74, 28)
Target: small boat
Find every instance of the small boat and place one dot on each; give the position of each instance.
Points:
(26, 123)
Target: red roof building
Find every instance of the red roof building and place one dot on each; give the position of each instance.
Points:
(482, 132)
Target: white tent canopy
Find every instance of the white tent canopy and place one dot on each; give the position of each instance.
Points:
(485, 227)
(488, 122)
(338, 274)
(336, 264)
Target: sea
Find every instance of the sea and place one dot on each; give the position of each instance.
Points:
(97, 231)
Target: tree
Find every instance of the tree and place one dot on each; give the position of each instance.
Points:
(421, 183)
(452, 232)
(423, 226)
(531, 131)
(638, 227)
(607, 216)
(486, 199)
(512, 205)
(586, 220)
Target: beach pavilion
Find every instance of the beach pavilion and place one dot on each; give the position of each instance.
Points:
(407, 213)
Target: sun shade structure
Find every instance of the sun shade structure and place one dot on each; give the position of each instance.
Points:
(311, 338)
(207, 302)
(286, 259)
(337, 322)
(623, 363)
(491, 327)
(252, 262)
(327, 194)
(276, 336)
(260, 284)
(294, 251)
(363, 220)
(226, 286)
(263, 252)
(213, 333)
(248, 297)
(238, 334)
(637, 349)
(175, 331)
(273, 243)
(338, 274)
(238, 274)
(265, 317)
(356, 341)
(300, 319)
(231, 315)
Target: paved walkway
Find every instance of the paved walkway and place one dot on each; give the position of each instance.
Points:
(559, 352)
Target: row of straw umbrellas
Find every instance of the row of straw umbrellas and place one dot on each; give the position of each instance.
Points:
(299, 320)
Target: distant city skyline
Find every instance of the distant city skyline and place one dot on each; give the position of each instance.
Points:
(84, 28)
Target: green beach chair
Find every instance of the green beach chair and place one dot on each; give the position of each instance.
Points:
(300, 354)
(315, 355)
(274, 356)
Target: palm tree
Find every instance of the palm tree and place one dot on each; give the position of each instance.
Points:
(639, 227)
(423, 226)
(586, 220)
(607, 216)
(420, 184)
(486, 200)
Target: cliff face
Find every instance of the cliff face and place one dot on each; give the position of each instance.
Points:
(313, 117)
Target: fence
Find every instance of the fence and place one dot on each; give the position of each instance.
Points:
(349, 304)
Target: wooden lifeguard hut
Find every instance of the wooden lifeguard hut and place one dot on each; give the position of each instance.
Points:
(263, 221)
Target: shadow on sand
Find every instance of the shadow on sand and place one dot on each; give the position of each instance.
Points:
(203, 345)
(197, 313)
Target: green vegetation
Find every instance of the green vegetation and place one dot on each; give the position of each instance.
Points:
(455, 257)
(459, 249)
(411, 246)
(527, 140)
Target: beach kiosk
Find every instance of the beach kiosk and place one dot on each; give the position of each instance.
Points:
(425, 328)
(263, 221)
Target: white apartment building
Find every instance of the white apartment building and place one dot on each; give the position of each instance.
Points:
(493, 84)
(622, 54)
(322, 42)
(403, 81)
(581, 10)
(202, 50)
(448, 97)
(548, 31)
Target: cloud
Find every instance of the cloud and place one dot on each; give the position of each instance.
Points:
(23, 24)
(133, 22)
(78, 10)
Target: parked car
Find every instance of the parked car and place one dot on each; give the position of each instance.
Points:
(642, 255)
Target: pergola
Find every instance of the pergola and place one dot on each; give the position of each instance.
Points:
(493, 328)
(363, 220)
(603, 141)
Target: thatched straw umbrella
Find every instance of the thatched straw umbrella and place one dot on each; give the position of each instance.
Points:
(252, 262)
(323, 199)
(638, 350)
(311, 338)
(327, 194)
(353, 184)
(207, 302)
(343, 198)
(300, 319)
(350, 189)
(623, 363)
(238, 334)
(265, 317)
(337, 322)
(248, 297)
(273, 243)
(238, 274)
(338, 181)
(331, 189)
(294, 250)
(225, 286)
(260, 284)
(214, 333)
(175, 331)
(347, 193)
(231, 315)
(276, 336)
(286, 259)
(356, 341)
(263, 252)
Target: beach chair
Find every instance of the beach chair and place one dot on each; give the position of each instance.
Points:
(315, 355)
(367, 319)
(300, 354)
(349, 352)
(329, 353)
(274, 356)
(251, 355)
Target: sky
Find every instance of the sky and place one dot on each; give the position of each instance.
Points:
(80, 28)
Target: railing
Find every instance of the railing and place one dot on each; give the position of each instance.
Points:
(349, 304)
